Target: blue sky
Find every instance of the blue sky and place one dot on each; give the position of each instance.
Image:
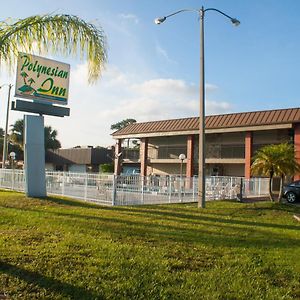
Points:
(153, 71)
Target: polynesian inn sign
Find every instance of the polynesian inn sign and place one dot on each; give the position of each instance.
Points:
(41, 82)
(42, 79)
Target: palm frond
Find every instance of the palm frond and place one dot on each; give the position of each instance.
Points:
(62, 34)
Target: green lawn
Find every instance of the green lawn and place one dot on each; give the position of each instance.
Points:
(63, 249)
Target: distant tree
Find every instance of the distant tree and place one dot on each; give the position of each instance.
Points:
(275, 160)
(107, 168)
(17, 136)
(11, 146)
(122, 124)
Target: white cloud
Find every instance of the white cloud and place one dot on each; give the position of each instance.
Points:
(210, 87)
(116, 96)
(130, 17)
(163, 53)
(217, 107)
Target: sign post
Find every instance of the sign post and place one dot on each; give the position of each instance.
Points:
(43, 82)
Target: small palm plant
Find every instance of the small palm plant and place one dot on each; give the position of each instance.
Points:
(24, 75)
(31, 81)
(275, 160)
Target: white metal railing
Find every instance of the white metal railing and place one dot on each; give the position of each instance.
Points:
(136, 189)
(254, 187)
(12, 179)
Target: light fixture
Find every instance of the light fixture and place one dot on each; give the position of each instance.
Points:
(235, 22)
(160, 20)
(181, 156)
(12, 155)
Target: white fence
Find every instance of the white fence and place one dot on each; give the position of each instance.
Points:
(135, 190)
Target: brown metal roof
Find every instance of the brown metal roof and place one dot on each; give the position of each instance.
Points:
(257, 118)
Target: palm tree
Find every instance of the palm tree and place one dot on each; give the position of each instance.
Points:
(50, 139)
(287, 164)
(275, 160)
(62, 34)
(17, 136)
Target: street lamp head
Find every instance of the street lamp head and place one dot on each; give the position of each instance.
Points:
(182, 157)
(235, 22)
(160, 20)
(12, 155)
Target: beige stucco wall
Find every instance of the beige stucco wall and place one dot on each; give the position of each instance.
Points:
(225, 169)
(233, 170)
(172, 169)
(165, 169)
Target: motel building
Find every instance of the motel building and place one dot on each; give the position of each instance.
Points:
(231, 140)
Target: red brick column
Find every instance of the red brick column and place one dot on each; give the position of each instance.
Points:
(118, 157)
(248, 154)
(144, 155)
(297, 146)
(190, 156)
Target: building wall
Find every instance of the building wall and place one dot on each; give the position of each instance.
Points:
(233, 170)
(49, 167)
(227, 149)
(165, 169)
(224, 169)
(77, 168)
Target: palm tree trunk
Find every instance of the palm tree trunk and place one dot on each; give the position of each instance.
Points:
(270, 188)
(281, 188)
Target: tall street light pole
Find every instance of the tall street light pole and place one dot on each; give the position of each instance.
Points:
(5, 144)
(201, 160)
(201, 164)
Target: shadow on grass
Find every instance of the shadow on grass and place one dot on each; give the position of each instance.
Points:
(163, 223)
(190, 229)
(53, 285)
(177, 215)
(71, 202)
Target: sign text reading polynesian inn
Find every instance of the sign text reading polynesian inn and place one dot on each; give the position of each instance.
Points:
(42, 79)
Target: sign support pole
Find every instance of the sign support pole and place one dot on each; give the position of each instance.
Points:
(34, 156)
